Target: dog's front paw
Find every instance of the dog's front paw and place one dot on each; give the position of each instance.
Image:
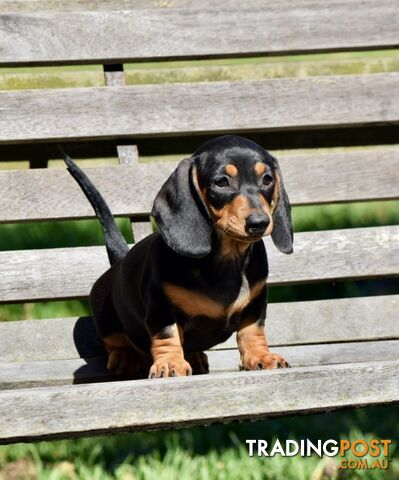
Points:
(266, 360)
(170, 366)
(123, 362)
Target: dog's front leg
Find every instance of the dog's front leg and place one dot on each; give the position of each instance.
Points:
(167, 353)
(251, 338)
(166, 337)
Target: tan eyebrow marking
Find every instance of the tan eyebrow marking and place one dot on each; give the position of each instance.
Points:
(260, 168)
(231, 170)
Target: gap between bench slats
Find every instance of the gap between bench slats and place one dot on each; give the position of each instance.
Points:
(167, 109)
(319, 256)
(292, 323)
(55, 37)
(74, 410)
(310, 178)
(74, 371)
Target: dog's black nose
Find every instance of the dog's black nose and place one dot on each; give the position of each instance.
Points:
(257, 224)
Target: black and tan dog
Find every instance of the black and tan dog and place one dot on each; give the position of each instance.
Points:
(203, 276)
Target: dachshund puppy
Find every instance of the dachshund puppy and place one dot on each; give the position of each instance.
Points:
(202, 276)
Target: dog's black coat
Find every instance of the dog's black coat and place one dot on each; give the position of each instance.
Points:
(130, 296)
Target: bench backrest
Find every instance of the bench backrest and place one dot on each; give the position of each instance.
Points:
(122, 120)
(191, 29)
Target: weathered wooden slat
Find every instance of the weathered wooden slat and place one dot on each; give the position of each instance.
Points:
(311, 178)
(194, 30)
(51, 412)
(53, 194)
(141, 230)
(338, 320)
(325, 255)
(307, 355)
(56, 372)
(8, 6)
(153, 110)
(76, 371)
(29, 6)
(64, 338)
(292, 323)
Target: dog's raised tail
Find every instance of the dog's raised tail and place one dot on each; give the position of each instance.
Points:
(116, 245)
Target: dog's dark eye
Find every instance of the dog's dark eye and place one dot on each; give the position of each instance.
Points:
(222, 182)
(267, 180)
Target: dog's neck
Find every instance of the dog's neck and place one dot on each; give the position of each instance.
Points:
(227, 249)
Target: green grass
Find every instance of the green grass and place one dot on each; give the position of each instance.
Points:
(206, 453)
(205, 70)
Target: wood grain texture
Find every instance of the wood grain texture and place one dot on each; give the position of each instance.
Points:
(167, 109)
(51, 412)
(338, 320)
(311, 178)
(141, 230)
(195, 30)
(10, 6)
(29, 6)
(307, 355)
(292, 323)
(76, 371)
(53, 372)
(325, 255)
(48, 339)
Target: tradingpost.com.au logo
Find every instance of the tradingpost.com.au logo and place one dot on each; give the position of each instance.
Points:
(363, 454)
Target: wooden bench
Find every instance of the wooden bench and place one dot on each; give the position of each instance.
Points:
(345, 352)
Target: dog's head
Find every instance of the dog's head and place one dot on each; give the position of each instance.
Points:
(230, 186)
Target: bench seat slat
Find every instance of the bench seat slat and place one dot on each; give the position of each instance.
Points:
(167, 109)
(291, 323)
(325, 255)
(72, 410)
(76, 371)
(310, 178)
(55, 37)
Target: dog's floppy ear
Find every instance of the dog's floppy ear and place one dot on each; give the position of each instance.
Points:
(181, 215)
(282, 233)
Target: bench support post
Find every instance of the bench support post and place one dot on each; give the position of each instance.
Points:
(128, 154)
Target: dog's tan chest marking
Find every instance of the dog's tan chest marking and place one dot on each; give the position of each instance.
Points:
(244, 297)
(192, 303)
(196, 304)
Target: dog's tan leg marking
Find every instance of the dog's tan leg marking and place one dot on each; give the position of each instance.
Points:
(254, 351)
(167, 354)
(123, 359)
